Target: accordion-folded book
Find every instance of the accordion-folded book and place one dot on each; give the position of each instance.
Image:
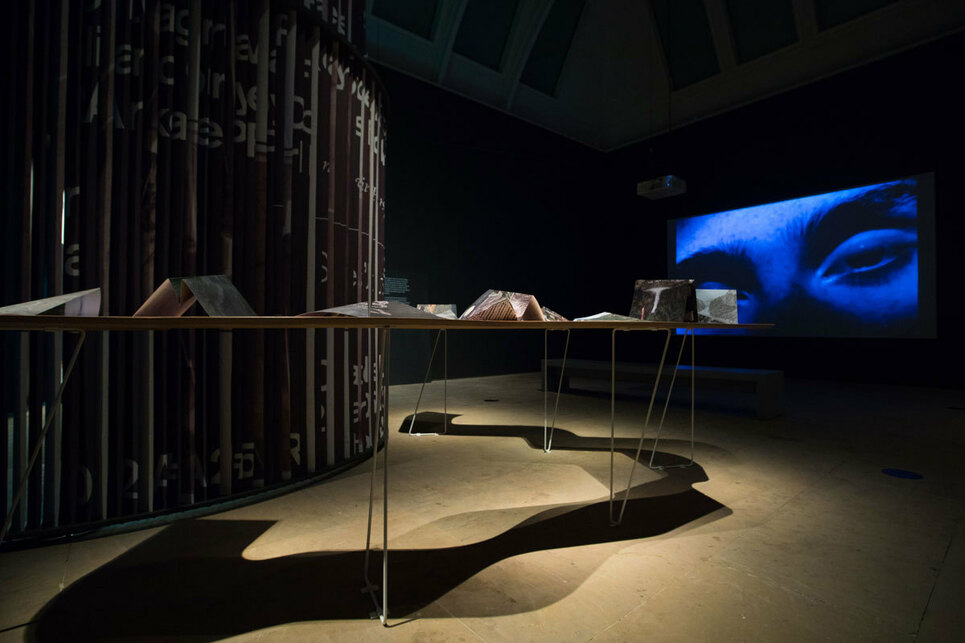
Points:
(380, 308)
(552, 315)
(605, 316)
(502, 305)
(216, 295)
(84, 303)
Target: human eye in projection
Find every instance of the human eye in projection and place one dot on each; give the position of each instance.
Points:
(864, 254)
(843, 263)
(870, 258)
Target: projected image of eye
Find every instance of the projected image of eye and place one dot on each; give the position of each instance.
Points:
(869, 258)
(873, 275)
(855, 262)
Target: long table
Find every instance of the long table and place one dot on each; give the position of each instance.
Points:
(383, 325)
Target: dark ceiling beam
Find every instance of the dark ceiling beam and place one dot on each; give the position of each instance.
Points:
(526, 27)
(722, 33)
(661, 94)
(393, 46)
(450, 17)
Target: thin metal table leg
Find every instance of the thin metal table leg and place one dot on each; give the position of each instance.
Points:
(445, 381)
(382, 405)
(43, 434)
(425, 380)
(643, 430)
(385, 484)
(369, 586)
(613, 370)
(548, 445)
(666, 404)
(693, 350)
(546, 368)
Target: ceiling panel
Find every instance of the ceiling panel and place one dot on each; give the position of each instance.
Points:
(415, 16)
(688, 44)
(761, 26)
(484, 31)
(548, 54)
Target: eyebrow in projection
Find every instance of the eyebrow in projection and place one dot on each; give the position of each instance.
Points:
(729, 265)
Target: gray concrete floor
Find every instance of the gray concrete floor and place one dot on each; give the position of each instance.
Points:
(786, 529)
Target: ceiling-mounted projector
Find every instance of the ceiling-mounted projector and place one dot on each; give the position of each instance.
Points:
(661, 187)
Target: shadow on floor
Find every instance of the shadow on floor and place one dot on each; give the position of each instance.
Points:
(432, 422)
(191, 582)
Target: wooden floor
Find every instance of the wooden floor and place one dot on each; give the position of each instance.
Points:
(786, 529)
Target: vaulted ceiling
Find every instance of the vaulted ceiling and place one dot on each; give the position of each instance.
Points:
(608, 73)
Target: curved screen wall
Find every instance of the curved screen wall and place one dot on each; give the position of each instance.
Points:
(167, 139)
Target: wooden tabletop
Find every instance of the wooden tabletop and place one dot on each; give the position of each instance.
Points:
(105, 323)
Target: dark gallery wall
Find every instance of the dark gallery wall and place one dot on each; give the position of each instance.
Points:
(478, 199)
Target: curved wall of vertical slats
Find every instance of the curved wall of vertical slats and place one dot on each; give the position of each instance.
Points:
(137, 146)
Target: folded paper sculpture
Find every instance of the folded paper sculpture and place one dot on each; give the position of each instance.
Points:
(446, 311)
(502, 305)
(83, 303)
(552, 315)
(216, 295)
(607, 317)
(664, 300)
(716, 306)
(379, 308)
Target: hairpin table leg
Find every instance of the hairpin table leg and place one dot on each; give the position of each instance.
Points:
(548, 441)
(445, 426)
(666, 403)
(40, 439)
(643, 429)
(382, 405)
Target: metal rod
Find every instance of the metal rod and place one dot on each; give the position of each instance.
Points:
(559, 388)
(643, 431)
(445, 381)
(613, 378)
(418, 401)
(666, 403)
(374, 439)
(385, 483)
(372, 345)
(43, 434)
(374, 427)
(693, 350)
(546, 368)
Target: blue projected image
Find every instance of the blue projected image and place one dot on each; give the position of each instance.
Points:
(839, 264)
